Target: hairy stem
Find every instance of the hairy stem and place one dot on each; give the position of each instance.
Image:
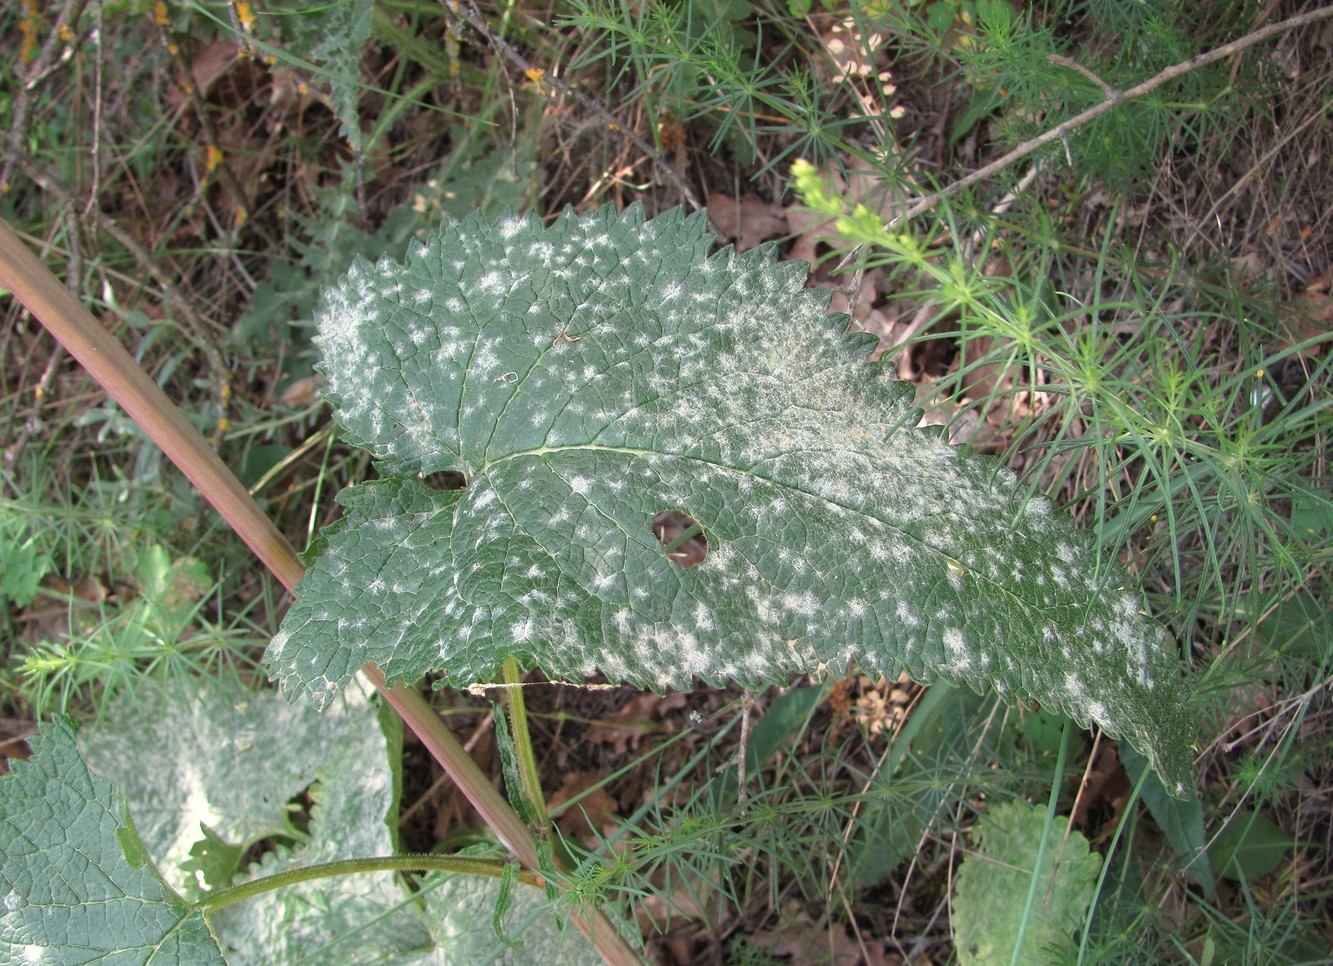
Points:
(527, 760)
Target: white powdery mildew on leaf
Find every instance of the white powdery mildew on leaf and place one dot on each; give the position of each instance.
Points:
(587, 376)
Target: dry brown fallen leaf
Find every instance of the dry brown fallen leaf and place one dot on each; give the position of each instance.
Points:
(801, 941)
(747, 222)
(302, 392)
(1106, 784)
(587, 820)
(641, 715)
(211, 61)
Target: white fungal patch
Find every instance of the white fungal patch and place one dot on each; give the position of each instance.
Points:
(805, 604)
(1076, 692)
(755, 663)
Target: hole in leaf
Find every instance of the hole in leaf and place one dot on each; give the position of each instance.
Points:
(682, 537)
(445, 480)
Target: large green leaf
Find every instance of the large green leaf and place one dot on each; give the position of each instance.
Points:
(231, 763)
(209, 734)
(365, 918)
(587, 376)
(82, 885)
(78, 887)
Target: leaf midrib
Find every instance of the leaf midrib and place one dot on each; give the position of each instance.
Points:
(944, 557)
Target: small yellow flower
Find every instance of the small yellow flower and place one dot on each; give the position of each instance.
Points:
(28, 27)
(245, 15)
(214, 157)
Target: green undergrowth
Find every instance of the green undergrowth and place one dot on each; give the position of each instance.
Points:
(1129, 318)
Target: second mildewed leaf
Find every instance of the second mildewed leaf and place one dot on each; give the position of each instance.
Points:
(593, 376)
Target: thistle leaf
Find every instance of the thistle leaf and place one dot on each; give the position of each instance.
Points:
(589, 377)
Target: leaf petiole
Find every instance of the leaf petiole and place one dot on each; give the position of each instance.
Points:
(458, 865)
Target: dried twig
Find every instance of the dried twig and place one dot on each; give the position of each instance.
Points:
(42, 66)
(1113, 100)
(469, 14)
(181, 306)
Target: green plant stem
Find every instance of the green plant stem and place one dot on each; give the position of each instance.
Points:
(106, 360)
(527, 761)
(1037, 878)
(389, 863)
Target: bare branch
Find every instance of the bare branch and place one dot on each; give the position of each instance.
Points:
(469, 13)
(1113, 99)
